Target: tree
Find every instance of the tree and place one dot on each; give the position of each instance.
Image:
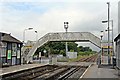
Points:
(62, 52)
(59, 48)
(80, 48)
(72, 46)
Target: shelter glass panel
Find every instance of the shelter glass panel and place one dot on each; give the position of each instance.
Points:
(14, 49)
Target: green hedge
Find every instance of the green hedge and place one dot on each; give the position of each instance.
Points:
(85, 53)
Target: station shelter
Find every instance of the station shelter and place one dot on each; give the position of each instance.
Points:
(10, 49)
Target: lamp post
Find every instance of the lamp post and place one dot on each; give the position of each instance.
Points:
(66, 27)
(112, 33)
(36, 35)
(109, 60)
(101, 35)
(24, 34)
(112, 36)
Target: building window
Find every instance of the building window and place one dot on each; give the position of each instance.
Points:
(14, 49)
(18, 50)
(9, 51)
(9, 54)
(3, 49)
(18, 53)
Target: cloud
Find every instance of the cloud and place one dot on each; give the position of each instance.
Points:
(48, 17)
(55, 18)
(57, 0)
(52, 18)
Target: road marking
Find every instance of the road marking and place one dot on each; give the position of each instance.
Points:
(86, 71)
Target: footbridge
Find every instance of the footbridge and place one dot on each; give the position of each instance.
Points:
(69, 36)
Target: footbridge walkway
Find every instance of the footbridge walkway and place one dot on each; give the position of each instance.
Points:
(28, 52)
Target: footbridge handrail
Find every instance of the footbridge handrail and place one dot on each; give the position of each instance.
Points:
(70, 36)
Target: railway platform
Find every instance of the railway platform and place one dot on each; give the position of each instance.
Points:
(16, 68)
(104, 71)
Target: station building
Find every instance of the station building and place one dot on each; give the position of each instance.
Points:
(117, 40)
(10, 49)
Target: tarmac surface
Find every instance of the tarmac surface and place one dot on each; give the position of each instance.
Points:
(103, 71)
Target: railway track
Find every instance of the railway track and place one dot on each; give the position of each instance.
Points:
(88, 59)
(68, 72)
(48, 72)
(29, 73)
(73, 73)
(51, 72)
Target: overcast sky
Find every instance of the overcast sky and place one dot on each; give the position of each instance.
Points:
(48, 16)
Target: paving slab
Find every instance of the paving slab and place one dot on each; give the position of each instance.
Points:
(103, 71)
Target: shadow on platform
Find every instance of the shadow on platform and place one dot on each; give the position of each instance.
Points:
(106, 66)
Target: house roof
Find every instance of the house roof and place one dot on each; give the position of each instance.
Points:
(118, 37)
(8, 38)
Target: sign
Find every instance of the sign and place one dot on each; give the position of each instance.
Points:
(9, 54)
(39, 54)
(28, 46)
(18, 54)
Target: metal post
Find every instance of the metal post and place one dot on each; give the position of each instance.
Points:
(66, 43)
(113, 59)
(66, 27)
(24, 36)
(24, 41)
(101, 52)
(109, 60)
(36, 35)
(112, 39)
(101, 46)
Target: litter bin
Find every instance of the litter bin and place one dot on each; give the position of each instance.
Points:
(114, 61)
(98, 61)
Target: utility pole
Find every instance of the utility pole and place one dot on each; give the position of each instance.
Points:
(109, 60)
